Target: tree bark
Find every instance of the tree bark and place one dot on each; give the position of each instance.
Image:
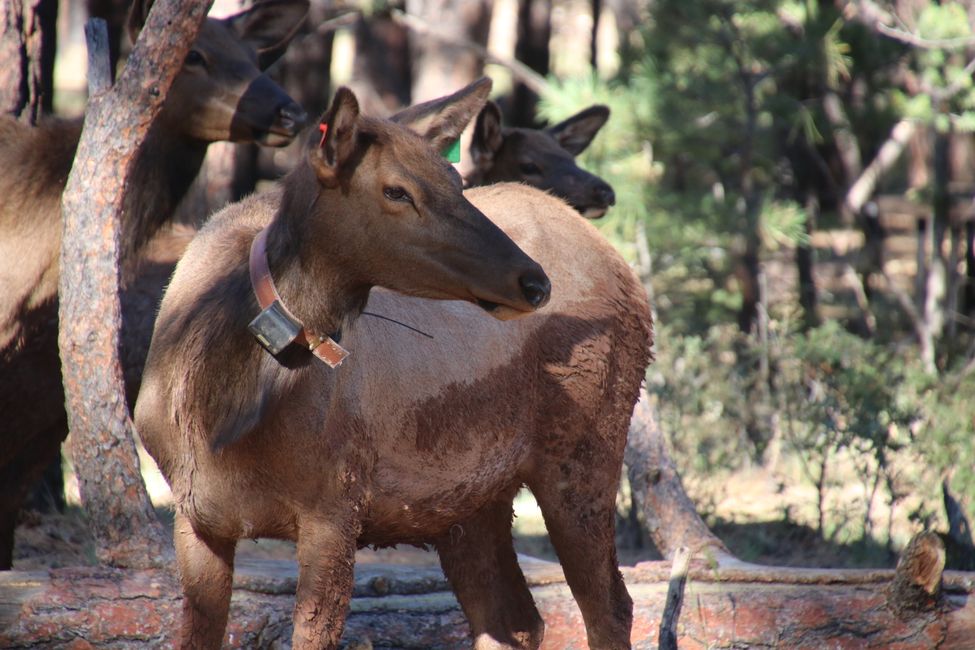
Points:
(382, 64)
(960, 535)
(968, 303)
(675, 599)
(28, 41)
(931, 303)
(863, 187)
(846, 144)
(671, 518)
(116, 122)
(531, 48)
(916, 586)
(806, 265)
(596, 7)
(748, 266)
(409, 607)
(440, 66)
(115, 13)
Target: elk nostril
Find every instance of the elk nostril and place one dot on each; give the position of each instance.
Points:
(536, 288)
(605, 194)
(291, 117)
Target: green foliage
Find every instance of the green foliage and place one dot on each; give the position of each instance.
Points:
(713, 120)
(945, 434)
(700, 384)
(837, 403)
(841, 394)
(783, 225)
(949, 97)
(621, 153)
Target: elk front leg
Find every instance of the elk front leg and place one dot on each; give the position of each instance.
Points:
(577, 496)
(479, 560)
(326, 558)
(206, 568)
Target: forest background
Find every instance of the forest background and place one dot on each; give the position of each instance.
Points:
(795, 186)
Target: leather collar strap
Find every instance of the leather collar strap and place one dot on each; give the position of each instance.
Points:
(322, 347)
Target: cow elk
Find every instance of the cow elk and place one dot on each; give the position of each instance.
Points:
(220, 94)
(412, 439)
(542, 158)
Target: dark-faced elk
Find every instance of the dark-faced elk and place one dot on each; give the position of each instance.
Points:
(410, 438)
(220, 94)
(542, 158)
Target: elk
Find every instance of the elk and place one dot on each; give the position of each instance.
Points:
(412, 439)
(220, 94)
(542, 158)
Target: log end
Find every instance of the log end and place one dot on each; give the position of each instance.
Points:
(916, 586)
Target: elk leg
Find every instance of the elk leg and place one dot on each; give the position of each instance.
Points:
(326, 558)
(577, 496)
(479, 560)
(206, 568)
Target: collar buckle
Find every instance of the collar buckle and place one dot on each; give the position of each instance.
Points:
(275, 328)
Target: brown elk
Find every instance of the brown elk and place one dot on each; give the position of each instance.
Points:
(220, 94)
(413, 439)
(542, 158)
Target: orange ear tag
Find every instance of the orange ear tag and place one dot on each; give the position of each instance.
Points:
(324, 129)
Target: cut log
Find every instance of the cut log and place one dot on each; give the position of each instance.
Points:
(409, 607)
(916, 586)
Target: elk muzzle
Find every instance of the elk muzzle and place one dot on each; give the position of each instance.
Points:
(590, 195)
(535, 290)
(267, 115)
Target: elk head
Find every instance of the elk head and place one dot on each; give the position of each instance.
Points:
(388, 210)
(222, 92)
(542, 158)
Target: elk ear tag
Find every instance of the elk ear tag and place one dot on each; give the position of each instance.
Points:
(452, 152)
(323, 127)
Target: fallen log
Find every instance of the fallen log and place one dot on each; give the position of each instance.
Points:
(670, 515)
(396, 606)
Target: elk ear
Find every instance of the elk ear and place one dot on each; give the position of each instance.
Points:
(441, 121)
(575, 133)
(137, 18)
(487, 138)
(338, 141)
(268, 26)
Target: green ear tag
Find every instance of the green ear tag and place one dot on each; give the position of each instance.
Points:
(452, 153)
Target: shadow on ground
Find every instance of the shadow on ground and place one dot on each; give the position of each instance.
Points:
(58, 540)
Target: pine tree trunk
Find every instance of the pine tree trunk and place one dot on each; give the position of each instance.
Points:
(117, 121)
(806, 264)
(28, 41)
(531, 48)
(382, 64)
(440, 67)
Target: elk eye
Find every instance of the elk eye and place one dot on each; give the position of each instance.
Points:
(395, 193)
(530, 168)
(193, 57)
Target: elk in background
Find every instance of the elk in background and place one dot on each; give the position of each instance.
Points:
(542, 158)
(221, 94)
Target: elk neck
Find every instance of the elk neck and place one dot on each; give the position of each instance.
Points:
(163, 172)
(315, 277)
